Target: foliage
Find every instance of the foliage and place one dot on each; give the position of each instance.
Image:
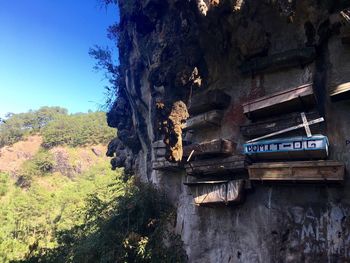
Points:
(105, 63)
(31, 218)
(57, 127)
(40, 165)
(16, 126)
(44, 161)
(127, 228)
(78, 130)
(92, 216)
(4, 183)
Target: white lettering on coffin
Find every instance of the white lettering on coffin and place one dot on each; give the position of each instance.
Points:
(233, 190)
(284, 146)
(210, 193)
(218, 192)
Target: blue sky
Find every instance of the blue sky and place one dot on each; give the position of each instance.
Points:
(44, 57)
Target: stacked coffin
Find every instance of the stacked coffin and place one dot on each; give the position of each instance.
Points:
(279, 156)
(206, 110)
(341, 86)
(278, 61)
(158, 160)
(340, 92)
(217, 192)
(214, 169)
(345, 29)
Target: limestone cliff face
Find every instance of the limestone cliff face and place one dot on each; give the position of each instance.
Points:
(173, 50)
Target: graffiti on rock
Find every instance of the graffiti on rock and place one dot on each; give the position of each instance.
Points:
(322, 230)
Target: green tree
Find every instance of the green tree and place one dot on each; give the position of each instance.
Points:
(78, 130)
(16, 126)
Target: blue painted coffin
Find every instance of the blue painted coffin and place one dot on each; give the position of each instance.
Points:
(298, 148)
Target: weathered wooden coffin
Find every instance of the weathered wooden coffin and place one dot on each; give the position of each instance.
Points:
(341, 92)
(159, 149)
(289, 58)
(299, 98)
(233, 165)
(314, 147)
(208, 119)
(257, 129)
(162, 164)
(213, 147)
(298, 171)
(212, 100)
(217, 192)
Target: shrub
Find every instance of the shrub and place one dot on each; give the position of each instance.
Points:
(78, 130)
(133, 227)
(4, 183)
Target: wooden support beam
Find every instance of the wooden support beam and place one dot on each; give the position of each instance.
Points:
(286, 101)
(208, 119)
(315, 147)
(279, 61)
(211, 100)
(272, 125)
(307, 171)
(234, 165)
(212, 148)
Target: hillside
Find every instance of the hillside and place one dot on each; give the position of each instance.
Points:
(12, 157)
(47, 175)
(60, 201)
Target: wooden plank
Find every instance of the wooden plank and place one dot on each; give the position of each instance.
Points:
(279, 61)
(162, 164)
(216, 147)
(257, 129)
(286, 101)
(341, 92)
(314, 147)
(211, 100)
(208, 119)
(233, 165)
(297, 171)
(217, 192)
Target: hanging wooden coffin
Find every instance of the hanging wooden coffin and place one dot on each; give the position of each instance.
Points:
(159, 149)
(298, 171)
(211, 148)
(345, 29)
(217, 192)
(341, 92)
(290, 58)
(233, 165)
(212, 100)
(208, 119)
(272, 125)
(286, 101)
(162, 164)
(314, 147)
